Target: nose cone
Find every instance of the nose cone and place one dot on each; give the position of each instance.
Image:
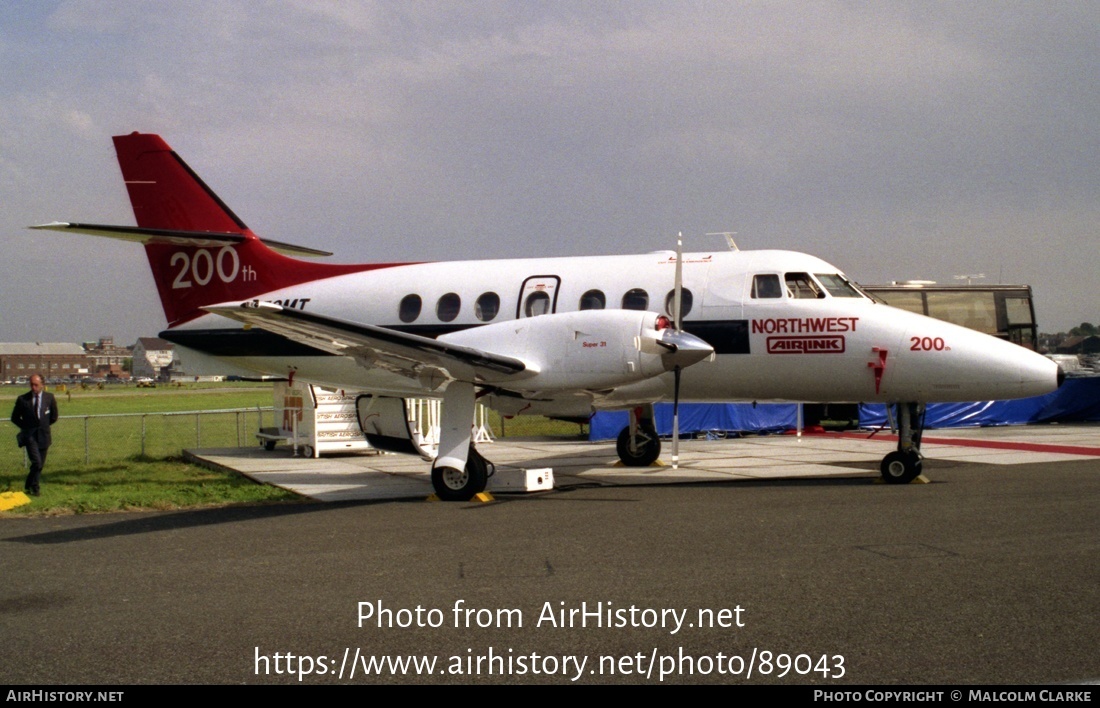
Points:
(682, 349)
(978, 367)
(1038, 374)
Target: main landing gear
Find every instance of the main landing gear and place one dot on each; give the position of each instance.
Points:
(904, 464)
(453, 484)
(638, 444)
(459, 472)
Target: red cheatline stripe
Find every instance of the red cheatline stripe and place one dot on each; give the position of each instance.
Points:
(991, 444)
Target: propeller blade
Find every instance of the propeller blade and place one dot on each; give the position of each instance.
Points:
(676, 418)
(678, 285)
(675, 349)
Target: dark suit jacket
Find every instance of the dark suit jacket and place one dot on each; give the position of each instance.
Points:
(32, 425)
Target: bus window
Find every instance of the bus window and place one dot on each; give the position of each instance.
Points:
(1018, 310)
(911, 300)
(974, 309)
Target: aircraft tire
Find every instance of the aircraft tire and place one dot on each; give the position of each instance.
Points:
(451, 484)
(900, 467)
(649, 447)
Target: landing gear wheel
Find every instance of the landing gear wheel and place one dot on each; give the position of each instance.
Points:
(453, 484)
(647, 447)
(900, 467)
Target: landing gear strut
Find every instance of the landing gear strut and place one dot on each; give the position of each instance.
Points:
(638, 444)
(904, 464)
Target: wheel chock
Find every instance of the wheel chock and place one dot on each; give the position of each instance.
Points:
(656, 463)
(10, 500)
(919, 479)
(484, 497)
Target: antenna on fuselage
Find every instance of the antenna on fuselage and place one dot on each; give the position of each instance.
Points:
(729, 238)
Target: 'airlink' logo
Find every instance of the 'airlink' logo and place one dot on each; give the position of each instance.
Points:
(806, 345)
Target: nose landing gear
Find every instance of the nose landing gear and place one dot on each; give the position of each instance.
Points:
(904, 464)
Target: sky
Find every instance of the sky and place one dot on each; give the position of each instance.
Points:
(896, 140)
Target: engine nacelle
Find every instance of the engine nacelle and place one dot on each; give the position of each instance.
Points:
(388, 424)
(591, 349)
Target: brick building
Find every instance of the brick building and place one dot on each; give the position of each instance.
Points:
(52, 360)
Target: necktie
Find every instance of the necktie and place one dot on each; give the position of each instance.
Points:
(38, 405)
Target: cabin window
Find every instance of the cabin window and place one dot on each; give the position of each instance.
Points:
(636, 299)
(593, 300)
(448, 306)
(837, 285)
(766, 286)
(685, 303)
(487, 306)
(409, 309)
(801, 286)
(538, 303)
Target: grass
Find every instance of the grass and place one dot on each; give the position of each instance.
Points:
(130, 485)
(110, 473)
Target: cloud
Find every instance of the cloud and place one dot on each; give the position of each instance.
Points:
(898, 139)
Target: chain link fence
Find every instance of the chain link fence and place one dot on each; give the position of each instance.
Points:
(102, 439)
(107, 438)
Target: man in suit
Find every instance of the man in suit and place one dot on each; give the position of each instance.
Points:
(35, 411)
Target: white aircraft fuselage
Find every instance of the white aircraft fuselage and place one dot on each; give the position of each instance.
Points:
(824, 349)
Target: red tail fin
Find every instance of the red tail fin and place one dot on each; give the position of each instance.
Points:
(219, 259)
(165, 193)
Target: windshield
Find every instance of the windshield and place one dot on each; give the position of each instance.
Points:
(837, 285)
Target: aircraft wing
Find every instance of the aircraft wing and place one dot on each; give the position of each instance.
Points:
(406, 354)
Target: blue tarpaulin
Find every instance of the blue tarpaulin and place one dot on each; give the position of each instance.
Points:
(1078, 400)
(703, 417)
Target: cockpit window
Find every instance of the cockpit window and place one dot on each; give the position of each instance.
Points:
(766, 286)
(837, 285)
(801, 286)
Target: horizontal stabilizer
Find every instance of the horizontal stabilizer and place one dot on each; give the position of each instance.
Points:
(174, 237)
